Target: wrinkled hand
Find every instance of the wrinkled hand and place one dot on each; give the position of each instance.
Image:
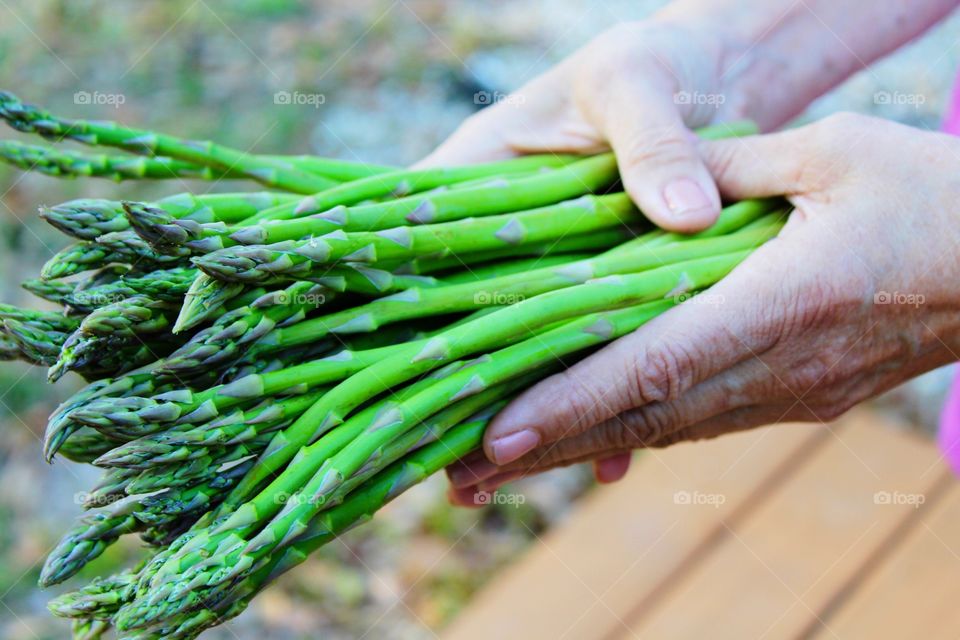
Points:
(858, 293)
(637, 88)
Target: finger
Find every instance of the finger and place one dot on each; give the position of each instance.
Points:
(471, 470)
(464, 497)
(659, 162)
(633, 428)
(657, 363)
(492, 484)
(796, 161)
(481, 138)
(537, 118)
(611, 469)
(584, 448)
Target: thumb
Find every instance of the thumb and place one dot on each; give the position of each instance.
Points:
(659, 162)
(787, 163)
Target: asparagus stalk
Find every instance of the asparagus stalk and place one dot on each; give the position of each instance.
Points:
(207, 294)
(86, 540)
(60, 290)
(100, 599)
(89, 629)
(328, 412)
(9, 349)
(203, 466)
(294, 258)
(51, 290)
(233, 428)
(162, 285)
(131, 324)
(487, 332)
(41, 320)
(106, 597)
(514, 193)
(208, 347)
(350, 447)
(38, 334)
(227, 338)
(85, 445)
(61, 426)
(279, 173)
(143, 413)
(428, 431)
(190, 502)
(149, 382)
(367, 500)
(70, 164)
(121, 246)
(87, 219)
(511, 193)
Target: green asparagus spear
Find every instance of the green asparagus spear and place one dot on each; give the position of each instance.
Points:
(284, 173)
(119, 247)
(503, 195)
(88, 219)
(70, 164)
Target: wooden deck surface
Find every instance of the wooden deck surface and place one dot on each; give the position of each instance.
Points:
(797, 531)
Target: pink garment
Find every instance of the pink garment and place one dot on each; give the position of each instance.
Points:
(949, 437)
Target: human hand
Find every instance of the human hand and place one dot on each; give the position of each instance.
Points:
(856, 295)
(632, 88)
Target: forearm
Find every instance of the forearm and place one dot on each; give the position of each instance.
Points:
(779, 55)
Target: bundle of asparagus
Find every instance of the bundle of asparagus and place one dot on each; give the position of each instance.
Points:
(268, 369)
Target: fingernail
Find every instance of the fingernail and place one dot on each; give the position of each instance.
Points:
(510, 447)
(686, 199)
(467, 475)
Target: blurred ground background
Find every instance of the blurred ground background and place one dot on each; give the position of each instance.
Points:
(396, 77)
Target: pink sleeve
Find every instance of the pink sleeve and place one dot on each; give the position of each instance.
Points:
(949, 436)
(951, 121)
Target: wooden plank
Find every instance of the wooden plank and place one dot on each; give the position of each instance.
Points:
(783, 564)
(913, 593)
(623, 542)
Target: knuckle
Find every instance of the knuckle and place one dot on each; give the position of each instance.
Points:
(833, 132)
(687, 434)
(672, 438)
(578, 401)
(660, 374)
(659, 146)
(624, 432)
(647, 425)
